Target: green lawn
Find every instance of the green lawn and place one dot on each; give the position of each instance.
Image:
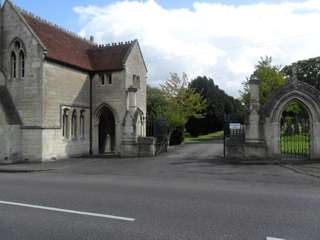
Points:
(295, 144)
(203, 138)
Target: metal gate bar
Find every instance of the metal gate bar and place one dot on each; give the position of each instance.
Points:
(295, 140)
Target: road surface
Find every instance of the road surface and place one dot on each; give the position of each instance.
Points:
(185, 194)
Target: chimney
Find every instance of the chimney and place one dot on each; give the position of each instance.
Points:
(92, 39)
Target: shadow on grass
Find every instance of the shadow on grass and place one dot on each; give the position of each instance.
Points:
(205, 138)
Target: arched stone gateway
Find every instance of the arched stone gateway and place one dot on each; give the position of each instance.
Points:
(295, 132)
(270, 127)
(272, 111)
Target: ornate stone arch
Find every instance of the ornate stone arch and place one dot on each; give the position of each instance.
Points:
(303, 92)
(105, 129)
(272, 111)
(99, 111)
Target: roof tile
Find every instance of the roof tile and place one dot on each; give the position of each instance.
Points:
(70, 49)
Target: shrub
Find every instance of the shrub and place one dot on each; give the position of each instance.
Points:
(177, 136)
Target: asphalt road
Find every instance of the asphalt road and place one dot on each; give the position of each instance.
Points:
(185, 194)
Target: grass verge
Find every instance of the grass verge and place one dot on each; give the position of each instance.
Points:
(203, 138)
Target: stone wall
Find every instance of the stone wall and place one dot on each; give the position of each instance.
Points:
(26, 93)
(2, 78)
(114, 97)
(133, 128)
(10, 144)
(135, 66)
(64, 88)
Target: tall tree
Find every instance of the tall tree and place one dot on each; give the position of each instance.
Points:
(218, 103)
(270, 78)
(306, 70)
(156, 101)
(184, 102)
(175, 103)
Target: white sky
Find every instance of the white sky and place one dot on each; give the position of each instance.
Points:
(221, 41)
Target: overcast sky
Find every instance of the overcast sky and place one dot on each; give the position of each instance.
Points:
(220, 39)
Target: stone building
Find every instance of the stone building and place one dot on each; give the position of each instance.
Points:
(62, 95)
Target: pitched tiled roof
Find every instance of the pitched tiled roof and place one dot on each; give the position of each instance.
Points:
(70, 49)
(109, 57)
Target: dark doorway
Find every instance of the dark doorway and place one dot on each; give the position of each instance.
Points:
(295, 140)
(106, 131)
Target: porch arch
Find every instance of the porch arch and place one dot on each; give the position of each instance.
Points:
(105, 129)
(102, 106)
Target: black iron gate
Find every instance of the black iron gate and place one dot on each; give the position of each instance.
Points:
(159, 129)
(233, 130)
(295, 142)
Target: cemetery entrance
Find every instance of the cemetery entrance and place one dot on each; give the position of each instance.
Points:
(295, 132)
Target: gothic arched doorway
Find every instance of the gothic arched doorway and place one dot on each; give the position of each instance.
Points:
(106, 131)
(295, 138)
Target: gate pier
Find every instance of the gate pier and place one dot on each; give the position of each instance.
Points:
(274, 132)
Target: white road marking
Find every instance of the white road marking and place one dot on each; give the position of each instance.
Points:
(68, 211)
(272, 238)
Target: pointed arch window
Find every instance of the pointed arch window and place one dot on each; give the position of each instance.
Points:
(17, 59)
(65, 123)
(13, 65)
(74, 125)
(22, 64)
(82, 124)
(103, 80)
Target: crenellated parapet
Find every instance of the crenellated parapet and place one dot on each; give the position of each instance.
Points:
(114, 44)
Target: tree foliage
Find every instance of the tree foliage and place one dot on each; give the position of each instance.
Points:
(156, 101)
(175, 103)
(270, 77)
(306, 70)
(296, 108)
(182, 102)
(218, 104)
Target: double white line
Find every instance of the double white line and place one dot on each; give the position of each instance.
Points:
(68, 211)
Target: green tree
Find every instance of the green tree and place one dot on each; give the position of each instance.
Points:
(245, 93)
(218, 104)
(306, 70)
(175, 103)
(270, 78)
(156, 101)
(183, 102)
(295, 107)
(157, 104)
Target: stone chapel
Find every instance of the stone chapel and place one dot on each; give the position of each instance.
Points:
(62, 95)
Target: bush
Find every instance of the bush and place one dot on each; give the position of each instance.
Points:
(177, 136)
(193, 127)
